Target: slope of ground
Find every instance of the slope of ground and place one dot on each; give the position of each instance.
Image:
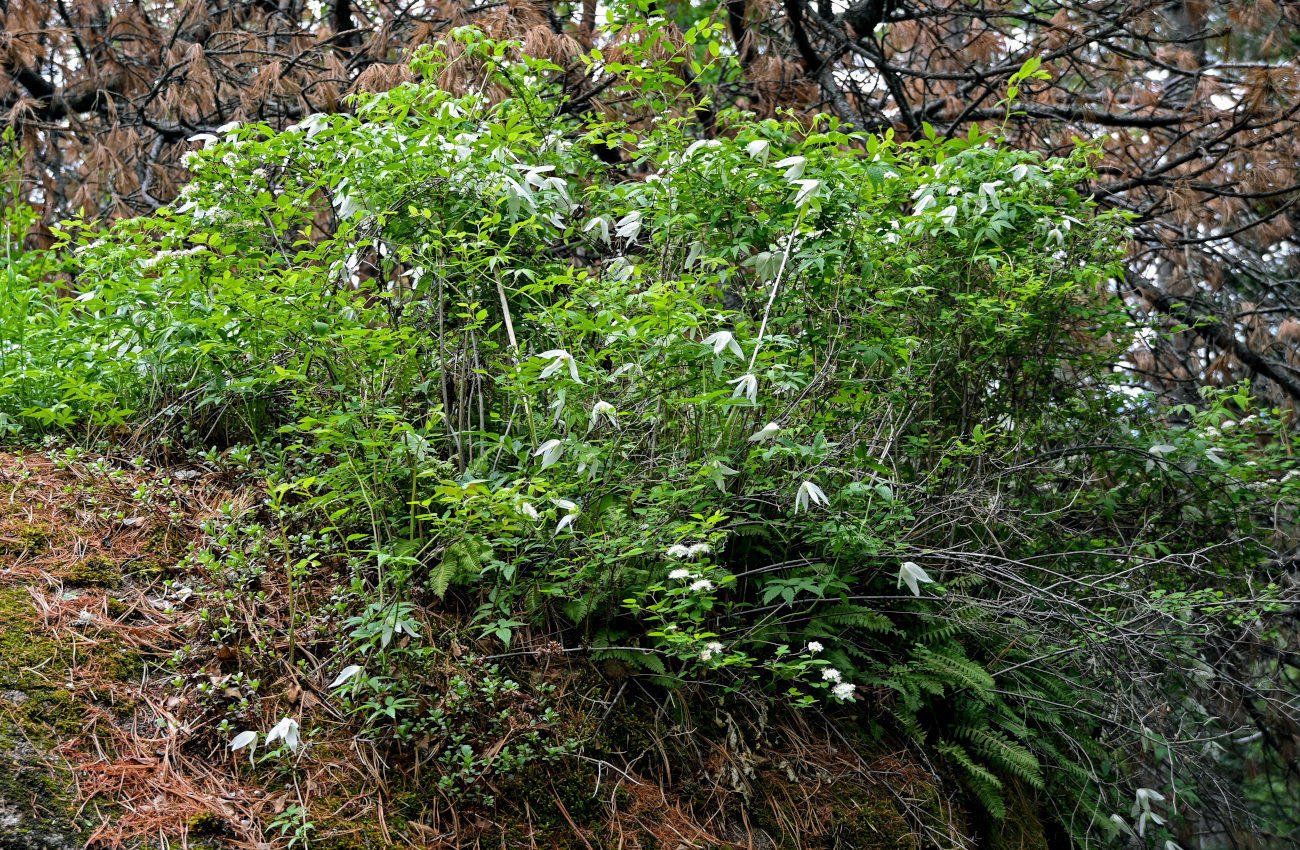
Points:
(129, 660)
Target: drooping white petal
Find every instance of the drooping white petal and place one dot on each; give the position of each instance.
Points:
(913, 575)
(602, 410)
(629, 226)
(286, 730)
(346, 673)
(767, 432)
(603, 223)
(717, 472)
(243, 739)
(565, 521)
(794, 166)
(550, 452)
(808, 190)
(746, 387)
(559, 359)
(809, 494)
(758, 149)
(724, 341)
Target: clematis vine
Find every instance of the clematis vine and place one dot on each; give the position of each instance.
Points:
(809, 494)
(746, 387)
(550, 452)
(602, 410)
(559, 359)
(724, 341)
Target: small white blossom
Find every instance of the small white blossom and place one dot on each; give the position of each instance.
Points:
(793, 165)
(698, 549)
(767, 432)
(678, 551)
(844, 691)
(830, 674)
(550, 452)
(809, 494)
(679, 574)
(559, 359)
(711, 649)
(701, 584)
(814, 646)
(286, 730)
(913, 575)
(528, 510)
(724, 341)
(602, 410)
(746, 387)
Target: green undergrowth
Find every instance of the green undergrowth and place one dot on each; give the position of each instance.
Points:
(792, 421)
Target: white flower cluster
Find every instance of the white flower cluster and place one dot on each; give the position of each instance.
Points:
(698, 582)
(157, 258)
(711, 649)
(688, 553)
(841, 690)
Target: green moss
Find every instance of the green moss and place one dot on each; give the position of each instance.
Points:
(340, 827)
(95, 571)
(18, 538)
(22, 646)
(206, 823)
(34, 715)
(868, 818)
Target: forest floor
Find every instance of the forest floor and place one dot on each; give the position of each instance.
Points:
(123, 678)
